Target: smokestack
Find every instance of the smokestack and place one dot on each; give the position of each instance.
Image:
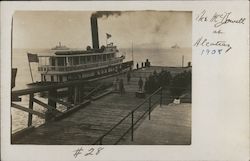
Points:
(94, 29)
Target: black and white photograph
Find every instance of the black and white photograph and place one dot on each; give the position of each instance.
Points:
(124, 81)
(101, 77)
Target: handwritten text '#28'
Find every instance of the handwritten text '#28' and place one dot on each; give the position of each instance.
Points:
(219, 19)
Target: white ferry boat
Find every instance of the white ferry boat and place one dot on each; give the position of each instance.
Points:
(68, 65)
(72, 65)
(175, 46)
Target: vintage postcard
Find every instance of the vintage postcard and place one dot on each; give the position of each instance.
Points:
(125, 80)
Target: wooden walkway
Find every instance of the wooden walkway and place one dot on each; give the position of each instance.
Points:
(82, 127)
(89, 123)
(169, 125)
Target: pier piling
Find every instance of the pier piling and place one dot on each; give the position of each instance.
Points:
(53, 94)
(30, 107)
(75, 95)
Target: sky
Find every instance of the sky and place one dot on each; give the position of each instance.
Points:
(145, 29)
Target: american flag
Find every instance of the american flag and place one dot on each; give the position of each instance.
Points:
(32, 57)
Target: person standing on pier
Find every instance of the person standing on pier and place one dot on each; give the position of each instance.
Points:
(140, 83)
(128, 77)
(137, 66)
(121, 87)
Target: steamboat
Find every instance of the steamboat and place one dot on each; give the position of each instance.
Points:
(175, 46)
(60, 47)
(69, 65)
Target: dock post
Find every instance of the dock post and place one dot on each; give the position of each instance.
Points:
(132, 126)
(161, 98)
(70, 95)
(149, 108)
(80, 94)
(76, 91)
(51, 94)
(30, 107)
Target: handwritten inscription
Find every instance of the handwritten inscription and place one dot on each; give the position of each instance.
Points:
(202, 17)
(87, 151)
(219, 46)
(219, 19)
(224, 18)
(218, 32)
(211, 51)
(77, 152)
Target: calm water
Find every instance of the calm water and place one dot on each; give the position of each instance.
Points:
(159, 57)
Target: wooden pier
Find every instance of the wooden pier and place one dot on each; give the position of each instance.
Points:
(101, 118)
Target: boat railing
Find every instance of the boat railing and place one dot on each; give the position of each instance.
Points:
(46, 68)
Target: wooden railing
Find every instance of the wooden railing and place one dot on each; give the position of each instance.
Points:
(74, 93)
(134, 120)
(46, 68)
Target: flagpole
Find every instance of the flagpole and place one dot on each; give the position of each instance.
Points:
(132, 52)
(182, 61)
(31, 74)
(32, 58)
(30, 67)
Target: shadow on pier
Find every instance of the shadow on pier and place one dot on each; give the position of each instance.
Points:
(105, 118)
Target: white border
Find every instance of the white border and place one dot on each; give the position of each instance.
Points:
(215, 135)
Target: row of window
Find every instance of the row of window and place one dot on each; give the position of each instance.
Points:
(61, 61)
(60, 78)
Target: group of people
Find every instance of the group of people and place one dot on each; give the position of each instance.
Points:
(143, 64)
(119, 84)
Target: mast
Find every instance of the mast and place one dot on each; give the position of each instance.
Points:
(182, 61)
(132, 52)
(31, 74)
